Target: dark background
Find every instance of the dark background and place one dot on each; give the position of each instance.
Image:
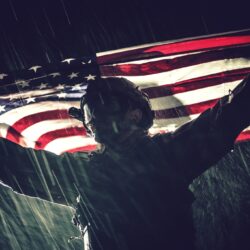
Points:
(40, 32)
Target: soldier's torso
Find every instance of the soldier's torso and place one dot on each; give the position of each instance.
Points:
(136, 200)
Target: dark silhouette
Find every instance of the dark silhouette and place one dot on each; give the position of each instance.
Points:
(133, 192)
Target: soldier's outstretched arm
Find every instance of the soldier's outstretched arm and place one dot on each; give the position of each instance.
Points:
(199, 144)
(40, 173)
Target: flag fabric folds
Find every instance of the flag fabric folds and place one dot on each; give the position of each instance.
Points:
(182, 78)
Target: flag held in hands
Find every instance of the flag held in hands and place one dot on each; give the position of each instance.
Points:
(183, 78)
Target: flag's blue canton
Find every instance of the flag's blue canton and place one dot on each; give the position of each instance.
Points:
(65, 81)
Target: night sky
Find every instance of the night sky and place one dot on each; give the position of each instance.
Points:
(38, 32)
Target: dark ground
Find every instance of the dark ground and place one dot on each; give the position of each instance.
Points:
(38, 32)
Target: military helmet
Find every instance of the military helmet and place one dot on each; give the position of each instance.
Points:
(115, 95)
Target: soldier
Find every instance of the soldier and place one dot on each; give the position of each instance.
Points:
(133, 192)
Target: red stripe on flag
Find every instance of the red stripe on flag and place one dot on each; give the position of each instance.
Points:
(199, 44)
(87, 148)
(196, 83)
(186, 110)
(60, 133)
(13, 135)
(175, 48)
(30, 120)
(159, 66)
(244, 136)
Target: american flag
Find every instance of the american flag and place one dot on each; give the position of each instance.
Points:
(182, 78)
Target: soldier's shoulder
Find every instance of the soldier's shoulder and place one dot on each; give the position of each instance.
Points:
(162, 137)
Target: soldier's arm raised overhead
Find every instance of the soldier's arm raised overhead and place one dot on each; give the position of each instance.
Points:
(41, 174)
(199, 144)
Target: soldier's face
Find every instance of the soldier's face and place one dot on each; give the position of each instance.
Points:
(107, 127)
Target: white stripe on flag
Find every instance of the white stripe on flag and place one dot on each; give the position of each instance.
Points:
(16, 114)
(35, 131)
(159, 58)
(58, 146)
(173, 122)
(192, 97)
(28, 93)
(190, 72)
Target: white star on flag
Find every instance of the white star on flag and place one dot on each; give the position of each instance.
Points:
(2, 75)
(43, 85)
(73, 75)
(60, 86)
(77, 87)
(55, 74)
(22, 83)
(62, 95)
(2, 108)
(68, 60)
(35, 68)
(30, 99)
(90, 77)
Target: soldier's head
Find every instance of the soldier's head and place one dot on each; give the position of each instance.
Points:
(114, 108)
